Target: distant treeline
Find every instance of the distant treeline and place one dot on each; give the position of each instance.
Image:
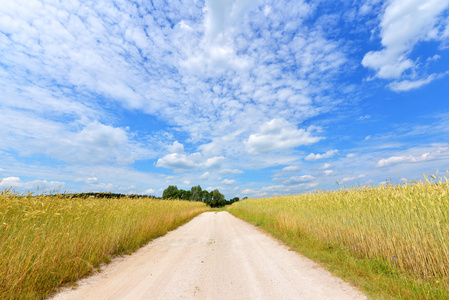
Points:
(213, 198)
(196, 193)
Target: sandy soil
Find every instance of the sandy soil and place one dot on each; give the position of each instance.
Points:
(215, 256)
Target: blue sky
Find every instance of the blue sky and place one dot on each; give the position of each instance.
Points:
(252, 97)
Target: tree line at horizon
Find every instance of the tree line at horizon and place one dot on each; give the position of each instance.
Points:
(196, 193)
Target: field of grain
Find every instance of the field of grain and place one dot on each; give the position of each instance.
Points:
(46, 241)
(405, 227)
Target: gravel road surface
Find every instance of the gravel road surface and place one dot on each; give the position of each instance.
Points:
(214, 256)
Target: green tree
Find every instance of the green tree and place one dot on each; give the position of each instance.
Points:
(185, 195)
(207, 197)
(171, 192)
(197, 193)
(218, 199)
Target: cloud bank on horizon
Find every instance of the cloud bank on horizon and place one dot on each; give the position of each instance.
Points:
(251, 97)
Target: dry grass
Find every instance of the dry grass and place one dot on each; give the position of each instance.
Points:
(406, 227)
(46, 241)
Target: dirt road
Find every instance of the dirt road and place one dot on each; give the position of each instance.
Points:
(215, 256)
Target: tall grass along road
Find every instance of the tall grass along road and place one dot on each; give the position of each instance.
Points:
(393, 241)
(46, 241)
(215, 256)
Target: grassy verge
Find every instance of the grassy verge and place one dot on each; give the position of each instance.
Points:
(46, 242)
(392, 242)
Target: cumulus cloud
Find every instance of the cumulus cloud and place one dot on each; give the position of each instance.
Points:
(313, 156)
(346, 179)
(80, 142)
(184, 162)
(176, 147)
(278, 134)
(149, 192)
(180, 161)
(228, 181)
(214, 162)
(326, 166)
(16, 182)
(403, 26)
(328, 172)
(399, 159)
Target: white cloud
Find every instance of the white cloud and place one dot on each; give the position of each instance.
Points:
(149, 192)
(205, 175)
(326, 166)
(180, 161)
(403, 25)
(278, 134)
(213, 162)
(16, 182)
(433, 152)
(102, 187)
(248, 191)
(222, 15)
(216, 52)
(346, 179)
(184, 162)
(211, 188)
(399, 159)
(176, 148)
(434, 58)
(303, 186)
(406, 85)
(291, 169)
(313, 156)
(272, 188)
(363, 118)
(80, 142)
(10, 181)
(296, 179)
(328, 172)
(228, 181)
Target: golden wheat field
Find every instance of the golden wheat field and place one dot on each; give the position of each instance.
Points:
(406, 226)
(46, 241)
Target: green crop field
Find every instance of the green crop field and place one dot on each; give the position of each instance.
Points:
(392, 241)
(47, 241)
